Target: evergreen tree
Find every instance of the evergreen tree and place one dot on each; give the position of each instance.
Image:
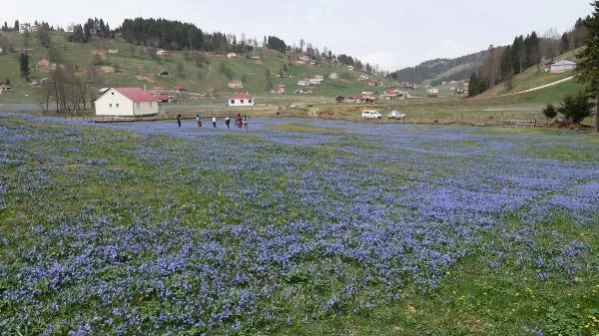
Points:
(564, 43)
(587, 70)
(517, 54)
(507, 68)
(474, 85)
(24, 65)
(16, 27)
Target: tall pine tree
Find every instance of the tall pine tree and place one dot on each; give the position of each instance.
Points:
(587, 69)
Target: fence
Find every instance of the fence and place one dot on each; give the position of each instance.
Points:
(518, 123)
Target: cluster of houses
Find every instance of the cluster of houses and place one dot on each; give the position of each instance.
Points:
(137, 102)
(316, 80)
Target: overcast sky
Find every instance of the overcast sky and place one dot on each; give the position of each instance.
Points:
(391, 33)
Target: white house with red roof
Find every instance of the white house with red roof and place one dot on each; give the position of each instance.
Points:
(126, 102)
(241, 100)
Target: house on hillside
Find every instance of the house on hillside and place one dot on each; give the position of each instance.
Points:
(126, 102)
(278, 89)
(409, 85)
(394, 93)
(367, 97)
(315, 81)
(304, 58)
(241, 100)
(179, 88)
(231, 55)
(43, 63)
(303, 83)
(363, 77)
(334, 76)
(562, 66)
(1, 51)
(433, 93)
(113, 51)
(161, 53)
(26, 27)
(350, 68)
(6, 89)
(373, 82)
(235, 84)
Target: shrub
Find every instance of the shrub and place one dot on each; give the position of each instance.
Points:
(576, 107)
(550, 111)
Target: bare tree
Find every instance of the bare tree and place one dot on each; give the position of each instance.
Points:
(44, 93)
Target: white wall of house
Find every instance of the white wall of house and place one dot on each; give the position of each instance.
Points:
(241, 102)
(562, 68)
(114, 104)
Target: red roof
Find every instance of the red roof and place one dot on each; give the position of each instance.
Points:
(241, 96)
(136, 94)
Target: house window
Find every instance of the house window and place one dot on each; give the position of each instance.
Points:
(241, 101)
(232, 102)
(110, 105)
(138, 105)
(117, 105)
(112, 93)
(250, 101)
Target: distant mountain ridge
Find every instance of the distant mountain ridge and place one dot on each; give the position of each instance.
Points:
(442, 69)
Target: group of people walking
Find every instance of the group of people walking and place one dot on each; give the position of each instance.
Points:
(240, 121)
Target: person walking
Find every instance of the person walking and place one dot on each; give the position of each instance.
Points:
(228, 121)
(179, 120)
(199, 121)
(239, 120)
(245, 121)
(214, 121)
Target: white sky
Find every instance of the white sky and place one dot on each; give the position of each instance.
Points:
(391, 33)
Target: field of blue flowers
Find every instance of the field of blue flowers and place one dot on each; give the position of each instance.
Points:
(296, 228)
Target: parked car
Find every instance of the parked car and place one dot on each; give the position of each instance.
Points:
(396, 115)
(368, 114)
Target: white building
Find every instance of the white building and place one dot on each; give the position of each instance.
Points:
(303, 83)
(562, 66)
(113, 51)
(1, 50)
(241, 100)
(232, 55)
(315, 81)
(334, 75)
(26, 27)
(350, 68)
(161, 52)
(126, 102)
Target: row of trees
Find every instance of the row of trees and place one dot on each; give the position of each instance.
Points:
(93, 27)
(65, 90)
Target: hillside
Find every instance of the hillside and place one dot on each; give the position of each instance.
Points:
(199, 74)
(442, 69)
(532, 78)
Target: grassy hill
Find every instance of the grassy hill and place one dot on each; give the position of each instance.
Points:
(532, 78)
(134, 66)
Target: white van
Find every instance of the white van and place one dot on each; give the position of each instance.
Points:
(368, 114)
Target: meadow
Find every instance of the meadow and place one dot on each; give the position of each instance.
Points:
(296, 227)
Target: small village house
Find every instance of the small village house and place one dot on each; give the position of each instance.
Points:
(113, 51)
(6, 89)
(231, 55)
(278, 89)
(241, 100)
(179, 88)
(315, 81)
(363, 77)
(303, 83)
(126, 102)
(161, 53)
(1, 51)
(26, 27)
(373, 82)
(334, 76)
(350, 68)
(43, 63)
(235, 84)
(562, 66)
(304, 58)
(367, 97)
(433, 93)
